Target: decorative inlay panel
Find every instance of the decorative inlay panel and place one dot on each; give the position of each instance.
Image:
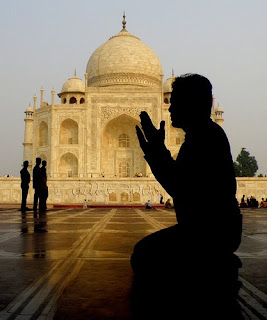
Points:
(110, 113)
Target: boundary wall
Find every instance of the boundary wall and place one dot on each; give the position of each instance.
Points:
(109, 190)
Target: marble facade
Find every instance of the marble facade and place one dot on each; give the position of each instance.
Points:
(89, 139)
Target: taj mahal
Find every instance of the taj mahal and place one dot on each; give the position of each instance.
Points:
(89, 139)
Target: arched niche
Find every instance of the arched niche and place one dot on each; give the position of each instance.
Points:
(73, 100)
(112, 197)
(136, 197)
(42, 139)
(124, 197)
(68, 166)
(121, 155)
(68, 133)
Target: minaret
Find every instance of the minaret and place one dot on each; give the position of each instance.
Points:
(42, 97)
(28, 137)
(34, 104)
(52, 97)
(85, 79)
(219, 116)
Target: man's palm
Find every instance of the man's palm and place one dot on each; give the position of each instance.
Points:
(152, 136)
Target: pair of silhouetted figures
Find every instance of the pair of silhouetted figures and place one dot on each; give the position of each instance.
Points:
(190, 271)
(39, 185)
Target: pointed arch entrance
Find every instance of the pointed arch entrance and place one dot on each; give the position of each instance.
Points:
(68, 132)
(121, 155)
(42, 138)
(68, 166)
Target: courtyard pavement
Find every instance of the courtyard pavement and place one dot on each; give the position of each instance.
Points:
(74, 263)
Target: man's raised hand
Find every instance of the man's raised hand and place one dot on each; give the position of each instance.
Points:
(152, 137)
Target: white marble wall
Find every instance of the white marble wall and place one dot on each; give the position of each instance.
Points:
(111, 190)
(256, 187)
(95, 190)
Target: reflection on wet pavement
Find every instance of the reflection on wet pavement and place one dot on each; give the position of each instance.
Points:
(74, 263)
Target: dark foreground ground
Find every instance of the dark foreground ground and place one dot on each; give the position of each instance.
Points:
(74, 263)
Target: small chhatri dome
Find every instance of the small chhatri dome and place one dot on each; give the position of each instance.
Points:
(124, 60)
(29, 109)
(167, 85)
(73, 84)
(218, 109)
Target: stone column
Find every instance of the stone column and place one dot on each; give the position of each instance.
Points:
(34, 104)
(42, 97)
(52, 98)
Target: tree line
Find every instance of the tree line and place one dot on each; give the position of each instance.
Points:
(245, 165)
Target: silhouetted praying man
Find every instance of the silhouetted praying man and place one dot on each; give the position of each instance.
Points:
(198, 251)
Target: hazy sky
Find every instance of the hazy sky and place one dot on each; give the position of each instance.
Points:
(42, 42)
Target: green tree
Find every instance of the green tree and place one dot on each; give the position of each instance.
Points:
(245, 164)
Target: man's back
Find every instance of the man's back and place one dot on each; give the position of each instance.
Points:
(36, 177)
(204, 168)
(25, 178)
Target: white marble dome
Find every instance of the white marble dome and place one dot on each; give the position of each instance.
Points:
(124, 60)
(73, 84)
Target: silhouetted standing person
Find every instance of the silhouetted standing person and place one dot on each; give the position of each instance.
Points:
(43, 187)
(25, 180)
(36, 183)
(198, 251)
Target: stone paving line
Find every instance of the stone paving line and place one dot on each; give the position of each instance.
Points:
(40, 299)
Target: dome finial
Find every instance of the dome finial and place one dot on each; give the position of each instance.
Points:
(172, 72)
(75, 73)
(123, 22)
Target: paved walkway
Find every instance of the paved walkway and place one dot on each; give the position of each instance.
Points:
(74, 263)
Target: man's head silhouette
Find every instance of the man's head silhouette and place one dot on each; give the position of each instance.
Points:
(38, 161)
(26, 164)
(191, 100)
(43, 163)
